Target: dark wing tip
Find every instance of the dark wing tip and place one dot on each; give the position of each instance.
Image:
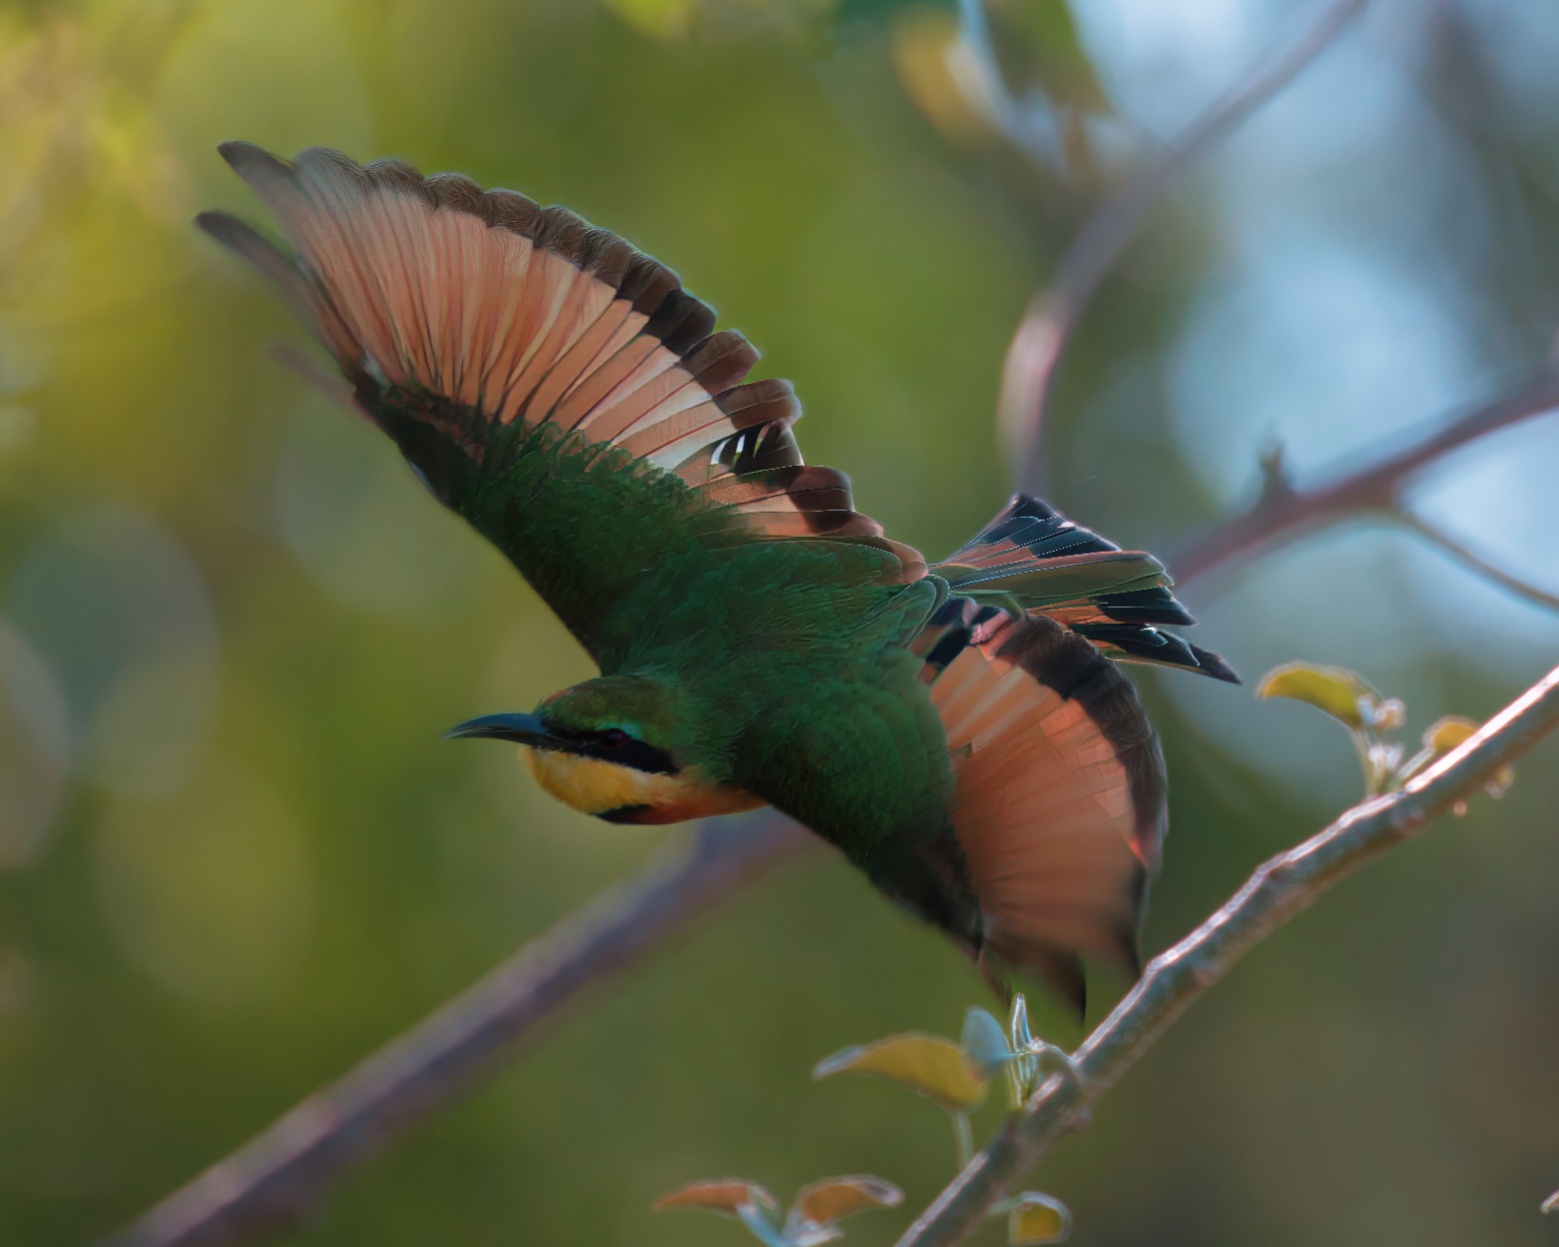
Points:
(220, 225)
(242, 156)
(1058, 969)
(1210, 664)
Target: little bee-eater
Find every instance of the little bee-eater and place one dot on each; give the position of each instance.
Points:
(958, 730)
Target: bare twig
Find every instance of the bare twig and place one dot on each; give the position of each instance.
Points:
(1283, 513)
(1047, 325)
(283, 1171)
(1176, 978)
(1471, 559)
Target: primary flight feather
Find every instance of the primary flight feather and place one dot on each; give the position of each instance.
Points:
(957, 730)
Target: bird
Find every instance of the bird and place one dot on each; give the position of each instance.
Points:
(959, 730)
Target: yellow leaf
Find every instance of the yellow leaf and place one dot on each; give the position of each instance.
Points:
(830, 1199)
(1444, 735)
(928, 1064)
(1343, 694)
(718, 1195)
(1038, 1219)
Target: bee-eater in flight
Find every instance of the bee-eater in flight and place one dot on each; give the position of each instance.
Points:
(959, 730)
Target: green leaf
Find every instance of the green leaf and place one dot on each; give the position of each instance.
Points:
(1046, 51)
(928, 1064)
(1345, 695)
(664, 19)
(824, 1202)
(881, 12)
(1036, 1219)
(985, 1043)
(1022, 1036)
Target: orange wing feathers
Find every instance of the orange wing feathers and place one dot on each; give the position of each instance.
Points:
(1059, 798)
(495, 306)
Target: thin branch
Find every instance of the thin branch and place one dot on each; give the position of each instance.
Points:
(1476, 562)
(282, 1172)
(1047, 325)
(1282, 513)
(1176, 978)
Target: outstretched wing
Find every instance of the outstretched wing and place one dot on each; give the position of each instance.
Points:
(554, 386)
(1059, 787)
(1059, 782)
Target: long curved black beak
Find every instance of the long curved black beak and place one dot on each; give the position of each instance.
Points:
(523, 729)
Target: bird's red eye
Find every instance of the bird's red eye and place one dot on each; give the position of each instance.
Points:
(614, 736)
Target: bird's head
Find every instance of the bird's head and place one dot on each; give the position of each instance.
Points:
(617, 747)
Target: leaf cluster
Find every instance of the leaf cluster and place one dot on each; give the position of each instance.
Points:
(956, 1076)
(1371, 718)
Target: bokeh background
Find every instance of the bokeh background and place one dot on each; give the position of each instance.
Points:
(235, 856)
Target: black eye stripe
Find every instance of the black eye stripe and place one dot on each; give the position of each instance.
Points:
(615, 745)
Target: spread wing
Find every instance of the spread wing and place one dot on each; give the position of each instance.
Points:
(554, 386)
(1059, 787)
(1059, 782)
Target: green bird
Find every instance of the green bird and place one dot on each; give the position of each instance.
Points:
(957, 730)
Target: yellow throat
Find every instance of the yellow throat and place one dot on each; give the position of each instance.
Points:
(595, 786)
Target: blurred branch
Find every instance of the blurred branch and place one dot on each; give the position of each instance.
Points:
(1047, 325)
(282, 1172)
(1177, 977)
(1283, 513)
(1476, 562)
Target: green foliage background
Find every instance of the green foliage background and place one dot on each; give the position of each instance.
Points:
(235, 856)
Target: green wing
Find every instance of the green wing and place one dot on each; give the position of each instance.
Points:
(547, 382)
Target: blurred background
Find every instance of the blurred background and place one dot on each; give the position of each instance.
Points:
(235, 856)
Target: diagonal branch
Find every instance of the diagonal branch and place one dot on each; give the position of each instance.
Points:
(281, 1173)
(1177, 977)
(1474, 561)
(1283, 513)
(1046, 328)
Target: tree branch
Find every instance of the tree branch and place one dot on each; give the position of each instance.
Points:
(1474, 561)
(1283, 513)
(1046, 328)
(1177, 977)
(283, 1171)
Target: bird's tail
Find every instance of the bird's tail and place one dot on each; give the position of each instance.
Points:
(1033, 560)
